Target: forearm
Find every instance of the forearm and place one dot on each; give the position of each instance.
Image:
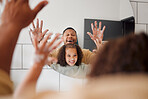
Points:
(30, 81)
(9, 35)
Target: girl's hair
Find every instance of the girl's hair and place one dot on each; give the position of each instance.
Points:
(124, 55)
(62, 52)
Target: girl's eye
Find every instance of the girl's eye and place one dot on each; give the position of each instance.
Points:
(75, 55)
(68, 55)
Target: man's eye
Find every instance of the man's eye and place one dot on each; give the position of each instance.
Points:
(73, 35)
(68, 55)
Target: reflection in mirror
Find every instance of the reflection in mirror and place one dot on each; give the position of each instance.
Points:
(59, 15)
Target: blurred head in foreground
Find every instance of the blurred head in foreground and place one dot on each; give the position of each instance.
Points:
(124, 55)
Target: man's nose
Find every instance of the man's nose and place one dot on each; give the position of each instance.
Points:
(70, 36)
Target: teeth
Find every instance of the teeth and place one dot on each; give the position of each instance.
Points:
(69, 40)
(71, 61)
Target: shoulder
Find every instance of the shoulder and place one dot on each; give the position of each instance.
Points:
(86, 52)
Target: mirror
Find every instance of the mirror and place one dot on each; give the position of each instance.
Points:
(58, 15)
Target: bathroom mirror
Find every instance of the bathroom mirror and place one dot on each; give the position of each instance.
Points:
(60, 14)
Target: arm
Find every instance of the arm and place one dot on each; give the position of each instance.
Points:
(11, 25)
(41, 58)
(97, 35)
(36, 31)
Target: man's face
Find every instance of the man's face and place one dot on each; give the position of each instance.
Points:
(69, 37)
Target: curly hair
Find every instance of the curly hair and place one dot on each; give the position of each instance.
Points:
(124, 55)
(62, 52)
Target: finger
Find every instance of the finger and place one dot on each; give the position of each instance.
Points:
(100, 26)
(103, 29)
(96, 25)
(31, 31)
(55, 46)
(41, 25)
(33, 25)
(39, 7)
(35, 43)
(31, 37)
(37, 23)
(45, 32)
(92, 27)
(55, 38)
(45, 41)
(91, 36)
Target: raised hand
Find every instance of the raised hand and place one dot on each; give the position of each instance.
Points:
(16, 15)
(37, 31)
(19, 14)
(97, 35)
(43, 49)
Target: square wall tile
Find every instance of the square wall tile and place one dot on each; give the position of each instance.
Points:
(67, 83)
(134, 6)
(140, 28)
(17, 57)
(17, 76)
(147, 29)
(49, 80)
(143, 13)
(28, 52)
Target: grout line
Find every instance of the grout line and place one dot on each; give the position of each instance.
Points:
(24, 43)
(146, 28)
(59, 82)
(20, 69)
(22, 57)
(142, 23)
(137, 12)
(139, 1)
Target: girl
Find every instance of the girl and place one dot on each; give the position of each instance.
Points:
(69, 61)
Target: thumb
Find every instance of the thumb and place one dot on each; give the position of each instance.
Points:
(39, 7)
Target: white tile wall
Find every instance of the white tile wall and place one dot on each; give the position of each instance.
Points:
(140, 8)
(142, 13)
(140, 28)
(140, 0)
(17, 57)
(28, 52)
(134, 6)
(17, 76)
(147, 29)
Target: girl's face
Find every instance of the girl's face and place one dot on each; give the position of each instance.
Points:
(71, 56)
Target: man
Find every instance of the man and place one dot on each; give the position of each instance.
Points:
(70, 37)
(16, 16)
